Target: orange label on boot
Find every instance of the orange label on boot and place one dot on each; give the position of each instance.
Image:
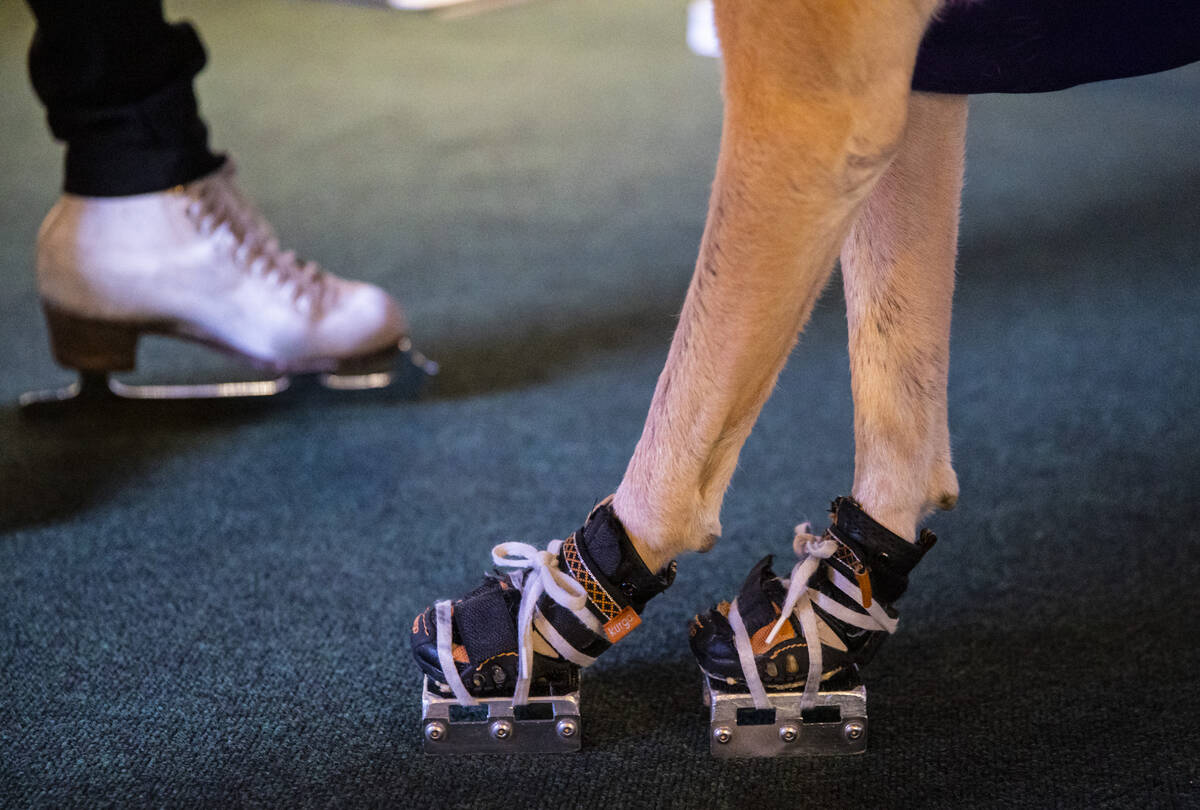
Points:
(621, 625)
(864, 585)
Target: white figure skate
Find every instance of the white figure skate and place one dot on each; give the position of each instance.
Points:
(199, 262)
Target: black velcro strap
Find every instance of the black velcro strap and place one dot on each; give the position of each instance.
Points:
(888, 557)
(604, 599)
(573, 631)
(484, 623)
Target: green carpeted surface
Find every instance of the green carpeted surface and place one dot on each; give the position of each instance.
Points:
(210, 606)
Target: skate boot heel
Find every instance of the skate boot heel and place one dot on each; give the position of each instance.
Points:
(835, 725)
(87, 344)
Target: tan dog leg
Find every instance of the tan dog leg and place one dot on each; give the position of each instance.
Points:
(816, 98)
(898, 269)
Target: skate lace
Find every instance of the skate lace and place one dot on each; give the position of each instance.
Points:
(542, 575)
(217, 207)
(799, 601)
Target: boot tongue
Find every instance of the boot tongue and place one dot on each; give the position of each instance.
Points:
(760, 594)
(888, 556)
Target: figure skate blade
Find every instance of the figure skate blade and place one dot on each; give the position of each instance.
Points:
(404, 377)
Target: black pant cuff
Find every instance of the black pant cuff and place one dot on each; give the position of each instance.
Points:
(141, 171)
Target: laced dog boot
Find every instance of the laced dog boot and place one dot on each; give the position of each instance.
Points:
(200, 262)
(817, 628)
(522, 636)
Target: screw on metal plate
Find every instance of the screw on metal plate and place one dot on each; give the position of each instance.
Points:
(548, 724)
(837, 724)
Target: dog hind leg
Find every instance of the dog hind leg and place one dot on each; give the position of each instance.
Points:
(816, 98)
(898, 273)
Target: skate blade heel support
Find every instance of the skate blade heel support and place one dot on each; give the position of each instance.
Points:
(98, 388)
(97, 349)
(549, 724)
(836, 725)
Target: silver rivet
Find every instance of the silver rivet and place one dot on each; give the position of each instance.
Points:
(788, 733)
(501, 730)
(566, 728)
(498, 675)
(723, 734)
(854, 730)
(435, 731)
(478, 680)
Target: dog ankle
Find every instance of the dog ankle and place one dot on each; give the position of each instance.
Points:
(659, 539)
(943, 492)
(900, 520)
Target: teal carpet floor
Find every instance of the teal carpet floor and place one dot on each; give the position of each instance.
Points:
(209, 606)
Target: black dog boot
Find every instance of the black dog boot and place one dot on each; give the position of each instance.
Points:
(516, 643)
(783, 642)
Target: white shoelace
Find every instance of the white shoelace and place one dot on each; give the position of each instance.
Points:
(542, 575)
(799, 600)
(442, 611)
(218, 208)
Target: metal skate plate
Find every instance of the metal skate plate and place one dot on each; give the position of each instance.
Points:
(837, 725)
(550, 724)
(97, 388)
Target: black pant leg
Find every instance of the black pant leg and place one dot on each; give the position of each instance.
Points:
(116, 80)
